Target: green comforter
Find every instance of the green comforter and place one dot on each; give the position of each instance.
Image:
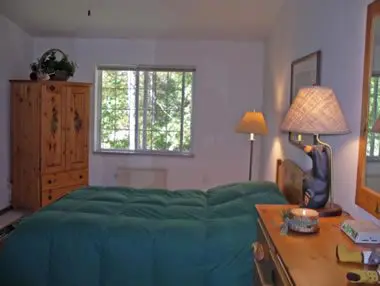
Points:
(106, 236)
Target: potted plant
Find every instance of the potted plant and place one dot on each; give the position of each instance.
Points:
(56, 68)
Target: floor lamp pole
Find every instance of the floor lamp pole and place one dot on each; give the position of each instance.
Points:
(251, 139)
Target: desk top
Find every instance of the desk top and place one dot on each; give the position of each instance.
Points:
(310, 259)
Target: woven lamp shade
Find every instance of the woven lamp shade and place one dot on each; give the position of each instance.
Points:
(376, 126)
(315, 110)
(252, 123)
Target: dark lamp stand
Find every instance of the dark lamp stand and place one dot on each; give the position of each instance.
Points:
(251, 139)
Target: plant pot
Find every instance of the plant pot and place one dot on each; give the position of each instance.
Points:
(59, 76)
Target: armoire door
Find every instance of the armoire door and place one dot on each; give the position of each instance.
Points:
(77, 127)
(25, 145)
(52, 128)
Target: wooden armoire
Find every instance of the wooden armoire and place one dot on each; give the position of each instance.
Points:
(49, 128)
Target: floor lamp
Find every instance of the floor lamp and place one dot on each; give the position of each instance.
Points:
(252, 123)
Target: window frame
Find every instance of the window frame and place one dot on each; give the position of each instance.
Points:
(98, 105)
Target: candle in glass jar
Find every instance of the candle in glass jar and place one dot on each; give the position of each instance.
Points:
(305, 213)
(303, 220)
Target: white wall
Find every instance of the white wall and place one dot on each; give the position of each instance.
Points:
(229, 81)
(338, 29)
(16, 51)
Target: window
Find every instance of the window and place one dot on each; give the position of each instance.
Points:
(144, 110)
(373, 140)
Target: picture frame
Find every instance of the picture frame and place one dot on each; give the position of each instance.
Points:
(305, 71)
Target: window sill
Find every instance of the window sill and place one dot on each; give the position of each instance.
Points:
(373, 159)
(144, 153)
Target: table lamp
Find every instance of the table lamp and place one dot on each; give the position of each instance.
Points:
(316, 110)
(252, 123)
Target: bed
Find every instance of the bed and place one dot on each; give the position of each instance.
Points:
(110, 236)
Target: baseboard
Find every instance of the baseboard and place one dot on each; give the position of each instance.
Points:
(7, 209)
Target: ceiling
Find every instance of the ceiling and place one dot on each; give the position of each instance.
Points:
(174, 19)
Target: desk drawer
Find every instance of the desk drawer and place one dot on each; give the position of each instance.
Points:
(269, 268)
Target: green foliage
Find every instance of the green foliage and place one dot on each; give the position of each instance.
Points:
(51, 64)
(373, 140)
(150, 101)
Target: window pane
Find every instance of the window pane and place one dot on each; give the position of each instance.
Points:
(373, 140)
(120, 140)
(187, 130)
(174, 123)
(173, 141)
(159, 140)
(376, 146)
(106, 138)
(163, 118)
(145, 119)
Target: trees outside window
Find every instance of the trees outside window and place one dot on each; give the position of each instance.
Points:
(373, 139)
(147, 110)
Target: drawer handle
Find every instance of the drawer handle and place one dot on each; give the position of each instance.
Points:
(49, 182)
(80, 177)
(258, 251)
(49, 197)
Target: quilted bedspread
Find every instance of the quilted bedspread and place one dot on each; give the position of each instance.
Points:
(112, 236)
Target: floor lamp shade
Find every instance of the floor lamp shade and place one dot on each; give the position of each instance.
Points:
(252, 123)
(315, 110)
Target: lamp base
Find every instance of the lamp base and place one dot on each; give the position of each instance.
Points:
(330, 210)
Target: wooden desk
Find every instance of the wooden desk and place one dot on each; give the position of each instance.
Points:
(300, 259)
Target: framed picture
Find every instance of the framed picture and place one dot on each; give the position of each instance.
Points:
(305, 71)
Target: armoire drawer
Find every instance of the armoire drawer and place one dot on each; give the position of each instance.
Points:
(64, 179)
(49, 196)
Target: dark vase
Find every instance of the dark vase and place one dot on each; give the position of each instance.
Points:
(33, 76)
